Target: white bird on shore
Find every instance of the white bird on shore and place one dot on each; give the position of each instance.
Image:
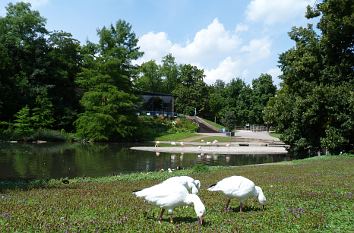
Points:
(157, 143)
(170, 195)
(238, 187)
(181, 143)
(173, 143)
(189, 183)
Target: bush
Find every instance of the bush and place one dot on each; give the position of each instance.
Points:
(152, 127)
(183, 125)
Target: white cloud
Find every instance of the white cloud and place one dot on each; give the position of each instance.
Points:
(276, 11)
(241, 27)
(154, 45)
(257, 49)
(275, 72)
(226, 70)
(218, 51)
(208, 43)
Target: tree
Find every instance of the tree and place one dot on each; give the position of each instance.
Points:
(64, 63)
(217, 98)
(42, 113)
(238, 101)
(22, 123)
(170, 73)
(150, 78)
(229, 119)
(22, 62)
(192, 92)
(108, 98)
(35, 63)
(314, 109)
(263, 89)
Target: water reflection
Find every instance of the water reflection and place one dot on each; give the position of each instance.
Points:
(71, 160)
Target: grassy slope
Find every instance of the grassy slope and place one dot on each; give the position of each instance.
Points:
(314, 195)
(276, 135)
(216, 125)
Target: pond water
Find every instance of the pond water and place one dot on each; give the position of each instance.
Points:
(29, 161)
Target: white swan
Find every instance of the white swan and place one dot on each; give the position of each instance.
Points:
(238, 187)
(170, 195)
(189, 183)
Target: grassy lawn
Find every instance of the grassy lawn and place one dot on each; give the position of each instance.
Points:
(216, 125)
(314, 195)
(175, 136)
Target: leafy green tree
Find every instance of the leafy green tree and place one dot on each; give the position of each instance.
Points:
(229, 119)
(23, 127)
(34, 61)
(217, 98)
(170, 72)
(42, 114)
(22, 62)
(150, 78)
(314, 109)
(239, 101)
(262, 90)
(192, 92)
(108, 98)
(64, 63)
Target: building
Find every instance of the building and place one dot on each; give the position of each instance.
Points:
(157, 104)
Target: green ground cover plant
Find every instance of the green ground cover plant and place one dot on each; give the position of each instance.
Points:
(176, 136)
(274, 134)
(312, 195)
(218, 138)
(216, 125)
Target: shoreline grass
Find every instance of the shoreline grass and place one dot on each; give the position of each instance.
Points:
(176, 136)
(313, 195)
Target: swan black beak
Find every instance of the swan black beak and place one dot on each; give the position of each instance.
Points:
(263, 207)
(200, 220)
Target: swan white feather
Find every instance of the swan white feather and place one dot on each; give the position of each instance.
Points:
(188, 182)
(239, 187)
(170, 195)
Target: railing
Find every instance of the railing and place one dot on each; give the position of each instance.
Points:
(254, 128)
(158, 113)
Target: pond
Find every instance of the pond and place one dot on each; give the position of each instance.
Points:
(50, 160)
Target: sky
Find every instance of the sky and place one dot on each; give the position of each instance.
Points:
(227, 38)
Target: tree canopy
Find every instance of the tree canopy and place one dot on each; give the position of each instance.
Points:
(314, 109)
(108, 99)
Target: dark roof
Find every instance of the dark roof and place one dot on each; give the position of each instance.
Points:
(155, 94)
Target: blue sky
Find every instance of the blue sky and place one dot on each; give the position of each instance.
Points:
(226, 38)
